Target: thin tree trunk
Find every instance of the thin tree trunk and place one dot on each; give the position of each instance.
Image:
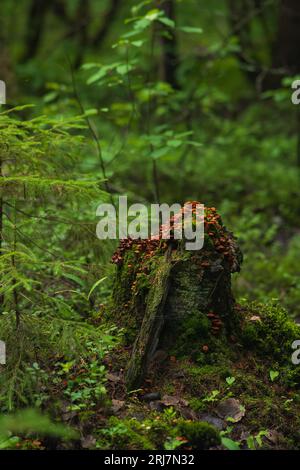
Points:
(170, 47)
(83, 20)
(108, 18)
(286, 50)
(35, 25)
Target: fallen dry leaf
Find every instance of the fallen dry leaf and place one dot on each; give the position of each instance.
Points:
(88, 442)
(231, 410)
(112, 377)
(255, 318)
(117, 405)
(168, 400)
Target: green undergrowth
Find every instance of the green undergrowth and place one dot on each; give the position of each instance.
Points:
(257, 372)
(48, 356)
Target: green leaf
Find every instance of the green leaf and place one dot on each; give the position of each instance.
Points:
(167, 21)
(139, 26)
(132, 33)
(152, 15)
(96, 285)
(90, 65)
(75, 279)
(138, 43)
(194, 143)
(123, 69)
(174, 143)
(97, 76)
(9, 443)
(50, 97)
(230, 380)
(17, 108)
(172, 444)
(230, 444)
(136, 8)
(160, 152)
(212, 396)
(273, 375)
(91, 112)
(251, 443)
(184, 134)
(191, 29)
(259, 436)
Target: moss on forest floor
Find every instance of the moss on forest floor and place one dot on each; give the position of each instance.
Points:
(257, 373)
(182, 399)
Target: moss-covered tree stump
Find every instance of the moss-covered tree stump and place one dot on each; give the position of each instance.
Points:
(168, 298)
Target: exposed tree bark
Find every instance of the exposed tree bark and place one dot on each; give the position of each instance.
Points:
(147, 340)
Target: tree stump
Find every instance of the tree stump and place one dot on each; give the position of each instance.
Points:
(167, 298)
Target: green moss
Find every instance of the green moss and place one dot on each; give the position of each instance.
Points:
(250, 336)
(152, 433)
(200, 435)
(130, 433)
(190, 335)
(209, 371)
(272, 333)
(148, 336)
(201, 380)
(124, 434)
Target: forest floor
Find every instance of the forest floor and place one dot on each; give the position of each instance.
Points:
(247, 400)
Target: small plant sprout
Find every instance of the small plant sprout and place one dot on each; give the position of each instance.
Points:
(174, 443)
(212, 397)
(228, 443)
(230, 380)
(273, 375)
(253, 442)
